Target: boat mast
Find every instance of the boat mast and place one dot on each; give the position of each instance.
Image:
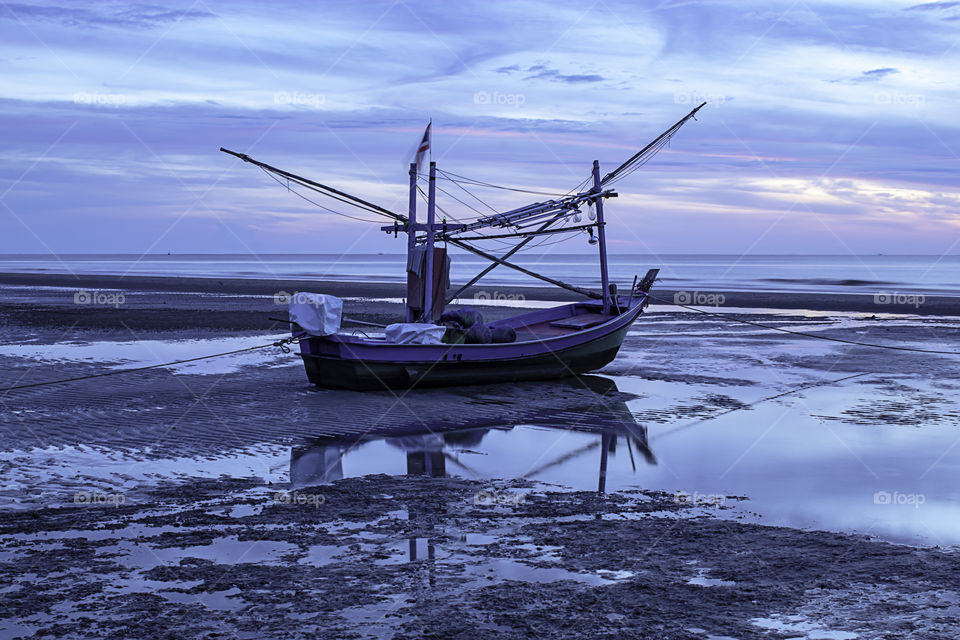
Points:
(411, 235)
(431, 218)
(602, 237)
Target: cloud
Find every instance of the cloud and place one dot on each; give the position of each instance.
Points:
(543, 72)
(873, 75)
(880, 73)
(341, 95)
(932, 6)
(136, 16)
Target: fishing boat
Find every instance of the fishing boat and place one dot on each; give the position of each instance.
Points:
(433, 348)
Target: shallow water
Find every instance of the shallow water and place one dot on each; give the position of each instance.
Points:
(141, 353)
(797, 469)
(875, 454)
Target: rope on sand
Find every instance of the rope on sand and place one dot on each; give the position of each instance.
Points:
(801, 333)
(279, 343)
(750, 405)
(282, 344)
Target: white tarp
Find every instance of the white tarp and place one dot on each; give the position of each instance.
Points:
(317, 313)
(414, 333)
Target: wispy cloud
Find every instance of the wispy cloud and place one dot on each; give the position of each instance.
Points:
(135, 17)
(527, 93)
(933, 6)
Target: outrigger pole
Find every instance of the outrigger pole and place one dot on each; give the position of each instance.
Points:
(334, 193)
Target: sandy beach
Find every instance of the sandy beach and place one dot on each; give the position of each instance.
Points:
(758, 484)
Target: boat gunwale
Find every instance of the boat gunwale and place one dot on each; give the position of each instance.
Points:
(442, 350)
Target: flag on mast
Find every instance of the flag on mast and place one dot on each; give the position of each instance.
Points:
(424, 146)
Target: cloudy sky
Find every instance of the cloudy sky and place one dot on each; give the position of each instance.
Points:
(830, 128)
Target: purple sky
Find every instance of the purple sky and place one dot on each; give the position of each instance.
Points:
(831, 127)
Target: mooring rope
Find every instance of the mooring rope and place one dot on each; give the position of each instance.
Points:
(282, 344)
(750, 405)
(801, 333)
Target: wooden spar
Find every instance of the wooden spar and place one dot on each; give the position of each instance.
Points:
(533, 212)
(534, 274)
(411, 234)
(602, 237)
(656, 141)
(341, 194)
(493, 265)
(431, 220)
(527, 234)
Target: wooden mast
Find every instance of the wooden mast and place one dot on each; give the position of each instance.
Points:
(431, 219)
(411, 235)
(602, 237)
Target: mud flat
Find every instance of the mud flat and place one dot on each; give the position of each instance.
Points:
(174, 502)
(399, 557)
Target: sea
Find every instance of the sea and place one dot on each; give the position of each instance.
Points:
(903, 274)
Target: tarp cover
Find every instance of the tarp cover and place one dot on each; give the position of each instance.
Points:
(414, 333)
(317, 313)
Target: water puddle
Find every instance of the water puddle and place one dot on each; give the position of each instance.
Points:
(142, 556)
(139, 353)
(799, 625)
(811, 460)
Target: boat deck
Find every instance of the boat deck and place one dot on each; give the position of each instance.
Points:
(565, 326)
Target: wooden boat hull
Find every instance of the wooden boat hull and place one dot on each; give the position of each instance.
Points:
(348, 363)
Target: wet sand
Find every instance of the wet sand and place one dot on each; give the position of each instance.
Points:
(265, 290)
(153, 505)
(388, 557)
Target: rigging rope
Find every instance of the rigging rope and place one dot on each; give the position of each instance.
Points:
(474, 209)
(472, 195)
(300, 195)
(279, 343)
(444, 212)
(797, 389)
(324, 193)
(446, 175)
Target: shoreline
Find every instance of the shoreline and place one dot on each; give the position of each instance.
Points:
(925, 305)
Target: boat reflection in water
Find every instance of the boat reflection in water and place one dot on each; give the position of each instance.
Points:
(601, 409)
(600, 416)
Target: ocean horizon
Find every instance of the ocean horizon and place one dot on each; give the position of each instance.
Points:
(807, 273)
